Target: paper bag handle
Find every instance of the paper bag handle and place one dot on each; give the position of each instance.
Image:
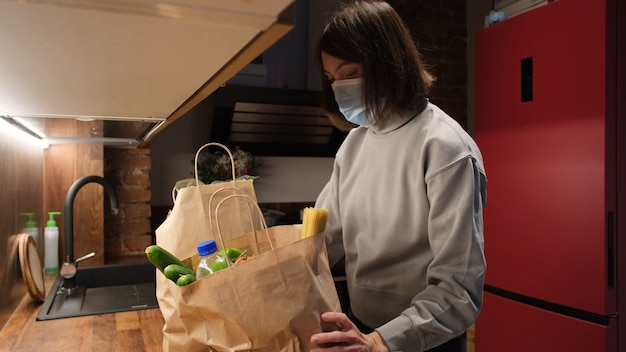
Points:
(235, 189)
(249, 200)
(232, 159)
(197, 177)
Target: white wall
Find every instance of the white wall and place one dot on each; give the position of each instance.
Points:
(281, 179)
(291, 179)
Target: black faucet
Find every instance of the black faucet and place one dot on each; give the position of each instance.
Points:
(68, 219)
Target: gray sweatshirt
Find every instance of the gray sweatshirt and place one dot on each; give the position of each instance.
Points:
(405, 203)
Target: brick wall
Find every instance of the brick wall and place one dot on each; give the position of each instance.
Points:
(440, 29)
(130, 232)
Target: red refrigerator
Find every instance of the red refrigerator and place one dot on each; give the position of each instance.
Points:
(550, 121)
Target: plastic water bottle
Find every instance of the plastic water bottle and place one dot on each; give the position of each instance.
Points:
(210, 260)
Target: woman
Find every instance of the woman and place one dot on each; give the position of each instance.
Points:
(406, 194)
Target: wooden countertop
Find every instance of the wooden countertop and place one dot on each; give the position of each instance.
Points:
(139, 330)
(127, 331)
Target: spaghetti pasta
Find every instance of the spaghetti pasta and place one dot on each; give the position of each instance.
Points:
(313, 221)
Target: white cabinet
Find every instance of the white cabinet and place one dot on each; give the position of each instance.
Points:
(128, 58)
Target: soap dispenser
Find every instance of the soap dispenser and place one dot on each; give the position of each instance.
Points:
(51, 239)
(31, 228)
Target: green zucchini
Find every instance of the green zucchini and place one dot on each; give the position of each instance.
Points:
(161, 258)
(186, 279)
(175, 271)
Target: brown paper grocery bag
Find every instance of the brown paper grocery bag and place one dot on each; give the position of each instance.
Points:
(271, 302)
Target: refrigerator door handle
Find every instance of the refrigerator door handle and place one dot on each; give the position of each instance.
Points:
(610, 255)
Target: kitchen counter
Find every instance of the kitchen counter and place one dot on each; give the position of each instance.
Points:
(127, 331)
(139, 330)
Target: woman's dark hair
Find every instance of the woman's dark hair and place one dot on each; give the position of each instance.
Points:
(373, 34)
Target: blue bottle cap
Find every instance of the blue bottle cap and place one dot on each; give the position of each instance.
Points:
(207, 247)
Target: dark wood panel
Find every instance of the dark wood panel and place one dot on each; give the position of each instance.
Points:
(65, 163)
(21, 190)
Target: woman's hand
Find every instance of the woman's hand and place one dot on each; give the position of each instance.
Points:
(347, 337)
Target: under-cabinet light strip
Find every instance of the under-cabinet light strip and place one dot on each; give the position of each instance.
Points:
(15, 128)
(104, 140)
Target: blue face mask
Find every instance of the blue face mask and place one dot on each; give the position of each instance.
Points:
(348, 94)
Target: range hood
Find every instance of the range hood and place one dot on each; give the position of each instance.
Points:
(128, 68)
(274, 122)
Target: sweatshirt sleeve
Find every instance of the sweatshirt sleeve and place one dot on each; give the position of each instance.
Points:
(329, 199)
(451, 301)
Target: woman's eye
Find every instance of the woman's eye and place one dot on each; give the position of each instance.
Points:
(349, 75)
(355, 71)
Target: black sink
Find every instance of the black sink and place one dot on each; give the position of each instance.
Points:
(103, 289)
